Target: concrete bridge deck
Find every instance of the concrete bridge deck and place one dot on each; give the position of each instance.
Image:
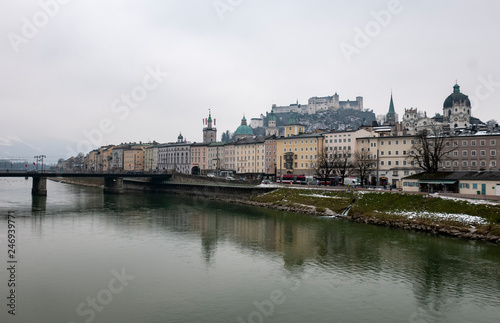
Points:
(113, 182)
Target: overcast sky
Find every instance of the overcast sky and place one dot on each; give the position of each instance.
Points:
(122, 70)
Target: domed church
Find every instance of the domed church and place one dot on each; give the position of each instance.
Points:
(456, 109)
(243, 130)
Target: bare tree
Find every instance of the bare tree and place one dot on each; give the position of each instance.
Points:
(325, 165)
(430, 148)
(342, 165)
(363, 164)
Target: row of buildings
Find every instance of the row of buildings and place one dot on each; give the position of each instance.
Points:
(471, 147)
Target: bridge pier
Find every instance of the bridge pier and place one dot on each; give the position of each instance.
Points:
(39, 186)
(113, 185)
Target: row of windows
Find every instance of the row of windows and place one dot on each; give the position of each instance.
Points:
(338, 140)
(396, 163)
(302, 149)
(465, 153)
(473, 163)
(472, 143)
(302, 141)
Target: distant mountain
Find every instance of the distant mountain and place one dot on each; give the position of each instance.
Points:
(16, 148)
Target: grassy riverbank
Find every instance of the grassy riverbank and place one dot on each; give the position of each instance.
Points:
(420, 212)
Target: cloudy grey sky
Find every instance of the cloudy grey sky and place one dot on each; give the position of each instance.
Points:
(123, 70)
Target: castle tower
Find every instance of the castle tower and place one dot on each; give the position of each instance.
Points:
(209, 132)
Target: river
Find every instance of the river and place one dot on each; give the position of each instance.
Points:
(82, 256)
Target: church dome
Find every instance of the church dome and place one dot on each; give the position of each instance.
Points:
(244, 129)
(456, 97)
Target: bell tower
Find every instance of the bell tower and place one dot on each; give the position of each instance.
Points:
(209, 132)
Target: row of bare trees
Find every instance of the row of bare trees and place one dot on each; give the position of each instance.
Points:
(431, 147)
(343, 165)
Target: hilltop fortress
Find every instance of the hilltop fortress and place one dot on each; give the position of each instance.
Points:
(317, 104)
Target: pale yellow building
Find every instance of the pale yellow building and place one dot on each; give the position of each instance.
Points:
(250, 155)
(134, 157)
(298, 154)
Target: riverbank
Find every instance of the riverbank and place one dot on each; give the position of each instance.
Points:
(474, 220)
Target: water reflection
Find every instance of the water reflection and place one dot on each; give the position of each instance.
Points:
(442, 274)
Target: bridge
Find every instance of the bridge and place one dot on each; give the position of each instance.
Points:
(113, 182)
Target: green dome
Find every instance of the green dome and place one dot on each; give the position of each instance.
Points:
(244, 130)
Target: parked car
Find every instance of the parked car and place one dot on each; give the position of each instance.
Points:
(210, 175)
(230, 178)
(266, 181)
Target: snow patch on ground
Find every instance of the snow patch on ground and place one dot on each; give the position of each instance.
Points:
(464, 218)
(323, 196)
(471, 201)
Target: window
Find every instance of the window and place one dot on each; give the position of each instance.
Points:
(473, 153)
(492, 142)
(455, 143)
(464, 164)
(493, 152)
(464, 153)
(474, 186)
(397, 163)
(483, 163)
(389, 153)
(455, 164)
(382, 163)
(464, 143)
(397, 152)
(381, 143)
(482, 142)
(389, 163)
(404, 143)
(389, 142)
(473, 143)
(473, 163)
(455, 154)
(493, 163)
(483, 152)
(381, 153)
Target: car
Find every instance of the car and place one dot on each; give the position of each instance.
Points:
(266, 181)
(230, 178)
(210, 175)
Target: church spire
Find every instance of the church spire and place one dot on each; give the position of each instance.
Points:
(391, 106)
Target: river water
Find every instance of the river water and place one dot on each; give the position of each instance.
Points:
(87, 257)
